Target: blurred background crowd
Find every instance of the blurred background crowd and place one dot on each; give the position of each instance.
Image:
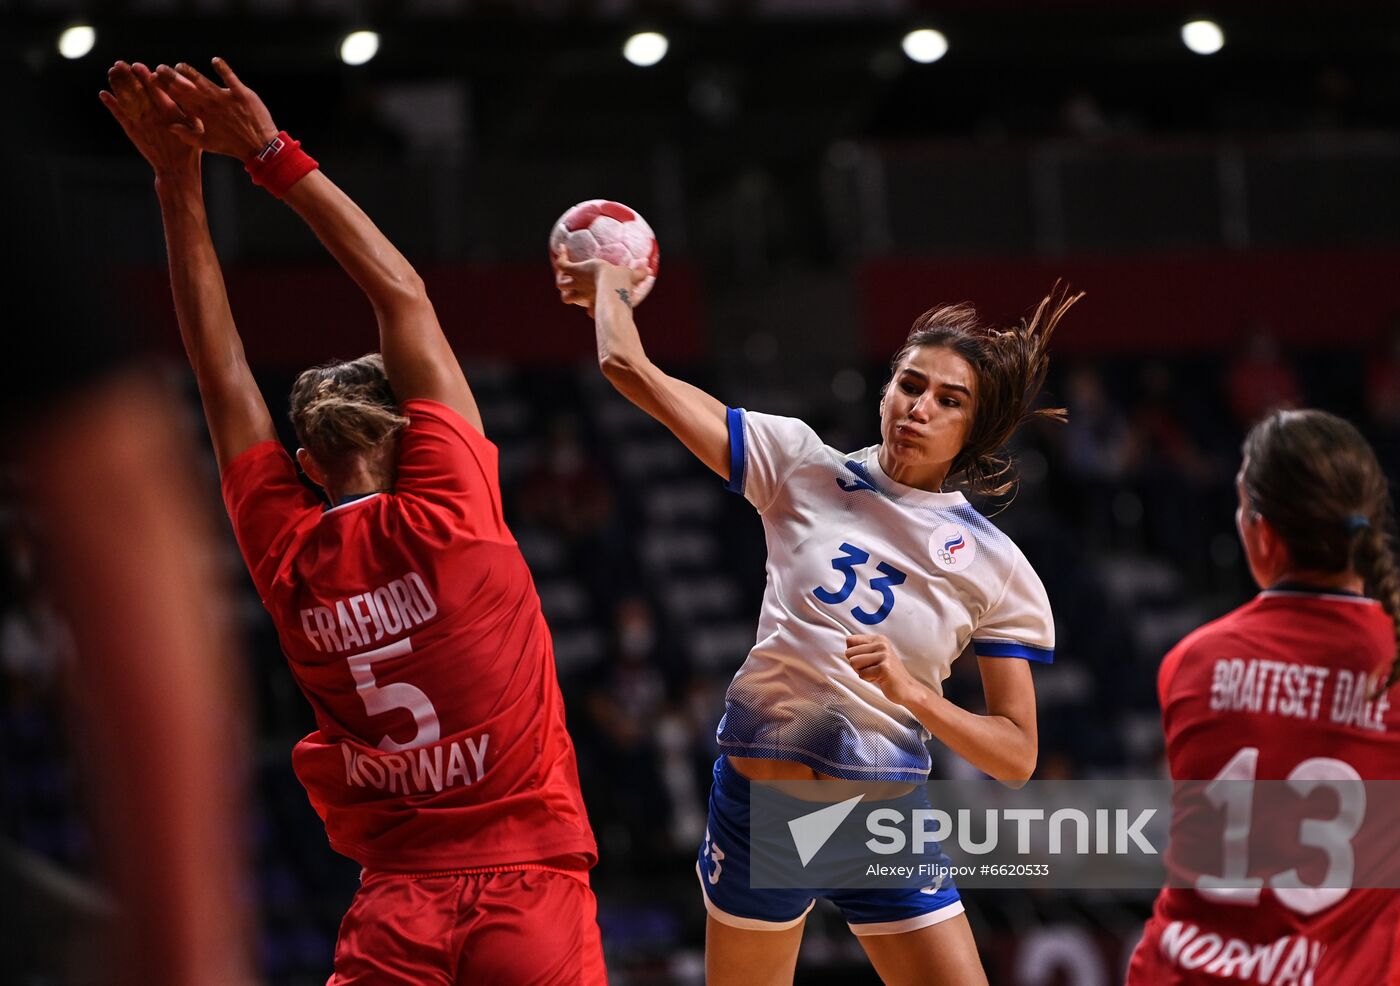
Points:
(1233, 217)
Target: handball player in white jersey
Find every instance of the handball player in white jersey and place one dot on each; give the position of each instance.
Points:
(878, 579)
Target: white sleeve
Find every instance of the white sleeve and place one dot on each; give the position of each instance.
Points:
(1020, 623)
(764, 449)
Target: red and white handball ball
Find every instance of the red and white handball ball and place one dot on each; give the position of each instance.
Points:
(609, 231)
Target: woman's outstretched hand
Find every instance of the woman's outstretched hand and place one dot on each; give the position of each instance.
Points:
(150, 119)
(579, 283)
(231, 121)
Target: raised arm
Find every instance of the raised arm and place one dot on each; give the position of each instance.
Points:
(233, 406)
(693, 416)
(417, 356)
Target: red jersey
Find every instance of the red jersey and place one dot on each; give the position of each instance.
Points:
(412, 625)
(1281, 680)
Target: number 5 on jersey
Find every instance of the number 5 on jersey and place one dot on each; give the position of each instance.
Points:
(379, 698)
(847, 562)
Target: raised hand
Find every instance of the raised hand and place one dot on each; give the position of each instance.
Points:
(579, 283)
(232, 120)
(151, 120)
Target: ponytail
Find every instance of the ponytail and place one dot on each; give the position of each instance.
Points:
(345, 407)
(1375, 562)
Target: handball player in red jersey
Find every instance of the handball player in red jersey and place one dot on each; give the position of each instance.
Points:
(1316, 522)
(440, 762)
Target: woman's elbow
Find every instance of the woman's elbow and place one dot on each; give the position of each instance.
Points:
(401, 289)
(1016, 774)
(623, 372)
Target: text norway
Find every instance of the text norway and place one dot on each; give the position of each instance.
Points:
(420, 770)
(884, 825)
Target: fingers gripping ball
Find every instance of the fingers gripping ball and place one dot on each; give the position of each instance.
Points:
(609, 231)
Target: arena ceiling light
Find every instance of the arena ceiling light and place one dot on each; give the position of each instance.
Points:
(925, 45)
(77, 40)
(1203, 37)
(358, 47)
(645, 48)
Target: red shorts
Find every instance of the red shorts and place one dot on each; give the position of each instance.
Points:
(524, 927)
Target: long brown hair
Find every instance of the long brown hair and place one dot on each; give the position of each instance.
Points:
(345, 406)
(1317, 481)
(1010, 365)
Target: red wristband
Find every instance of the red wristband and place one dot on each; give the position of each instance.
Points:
(280, 165)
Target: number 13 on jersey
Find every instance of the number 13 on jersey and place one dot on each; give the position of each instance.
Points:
(1233, 791)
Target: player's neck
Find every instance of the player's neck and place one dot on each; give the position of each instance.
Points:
(356, 483)
(1347, 581)
(359, 474)
(920, 477)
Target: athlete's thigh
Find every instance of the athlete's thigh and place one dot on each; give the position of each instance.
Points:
(529, 928)
(942, 954)
(397, 933)
(744, 957)
(752, 933)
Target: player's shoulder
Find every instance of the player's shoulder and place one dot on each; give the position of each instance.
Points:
(1223, 630)
(261, 490)
(252, 463)
(1215, 636)
(1003, 556)
(801, 453)
(426, 412)
(1304, 607)
(1227, 626)
(792, 433)
(986, 529)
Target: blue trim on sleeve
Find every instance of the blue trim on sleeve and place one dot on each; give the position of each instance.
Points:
(1001, 648)
(735, 417)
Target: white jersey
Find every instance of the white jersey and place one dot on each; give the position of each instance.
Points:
(850, 551)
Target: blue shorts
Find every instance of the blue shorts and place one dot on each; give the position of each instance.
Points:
(723, 868)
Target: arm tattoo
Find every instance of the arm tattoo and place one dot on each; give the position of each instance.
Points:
(626, 296)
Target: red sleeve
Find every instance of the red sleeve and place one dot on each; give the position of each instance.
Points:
(1394, 978)
(1167, 671)
(1165, 674)
(1176, 686)
(267, 504)
(446, 462)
